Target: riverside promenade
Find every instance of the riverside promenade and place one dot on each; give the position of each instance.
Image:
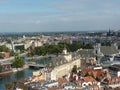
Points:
(11, 58)
(7, 59)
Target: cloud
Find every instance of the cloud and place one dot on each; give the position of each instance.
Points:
(37, 21)
(62, 15)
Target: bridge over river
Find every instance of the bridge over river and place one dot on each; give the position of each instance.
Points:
(36, 66)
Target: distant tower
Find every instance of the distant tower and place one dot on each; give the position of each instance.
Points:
(67, 55)
(64, 51)
(97, 49)
(12, 45)
(24, 37)
(109, 33)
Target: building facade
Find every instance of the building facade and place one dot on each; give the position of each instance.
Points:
(65, 69)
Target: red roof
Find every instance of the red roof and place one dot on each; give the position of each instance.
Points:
(62, 80)
(56, 88)
(98, 73)
(87, 70)
(89, 79)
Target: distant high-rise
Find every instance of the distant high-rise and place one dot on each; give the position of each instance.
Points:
(109, 32)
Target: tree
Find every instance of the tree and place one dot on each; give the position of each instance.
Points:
(75, 46)
(8, 86)
(74, 69)
(14, 83)
(12, 53)
(1, 55)
(18, 62)
(88, 46)
(8, 41)
(56, 49)
(3, 48)
(1, 68)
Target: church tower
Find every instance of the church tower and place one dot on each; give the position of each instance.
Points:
(97, 49)
(65, 51)
(67, 55)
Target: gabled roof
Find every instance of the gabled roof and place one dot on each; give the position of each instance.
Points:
(87, 52)
(56, 88)
(57, 61)
(87, 70)
(62, 80)
(89, 79)
(107, 50)
(98, 73)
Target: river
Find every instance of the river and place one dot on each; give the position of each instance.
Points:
(21, 74)
(17, 75)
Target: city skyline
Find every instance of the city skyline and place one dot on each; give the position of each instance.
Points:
(58, 15)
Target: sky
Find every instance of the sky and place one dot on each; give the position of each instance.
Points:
(59, 15)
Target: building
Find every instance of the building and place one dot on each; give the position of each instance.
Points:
(114, 70)
(5, 55)
(105, 50)
(63, 64)
(6, 66)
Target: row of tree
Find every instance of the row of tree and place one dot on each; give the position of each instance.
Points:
(11, 86)
(17, 63)
(56, 49)
(3, 48)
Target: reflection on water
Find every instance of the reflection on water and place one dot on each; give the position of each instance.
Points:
(42, 61)
(21, 74)
(18, 75)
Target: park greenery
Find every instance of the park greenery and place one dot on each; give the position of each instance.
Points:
(56, 49)
(1, 68)
(3, 48)
(18, 62)
(11, 86)
(1, 55)
(74, 69)
(8, 86)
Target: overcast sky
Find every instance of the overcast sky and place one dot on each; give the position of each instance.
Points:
(58, 15)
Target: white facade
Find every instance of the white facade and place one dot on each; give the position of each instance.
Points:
(118, 73)
(9, 46)
(97, 49)
(64, 69)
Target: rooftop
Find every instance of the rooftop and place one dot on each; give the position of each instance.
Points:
(106, 50)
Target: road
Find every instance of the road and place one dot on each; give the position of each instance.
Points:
(11, 58)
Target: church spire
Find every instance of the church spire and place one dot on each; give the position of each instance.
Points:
(64, 50)
(109, 31)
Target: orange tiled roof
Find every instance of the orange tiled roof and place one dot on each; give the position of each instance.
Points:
(62, 80)
(98, 73)
(85, 70)
(89, 79)
(94, 87)
(56, 88)
(79, 83)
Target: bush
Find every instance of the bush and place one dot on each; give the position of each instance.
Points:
(18, 62)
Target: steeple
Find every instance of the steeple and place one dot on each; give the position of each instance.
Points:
(109, 32)
(64, 50)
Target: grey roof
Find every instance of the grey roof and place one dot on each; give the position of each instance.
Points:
(107, 50)
(60, 60)
(87, 52)
(57, 61)
(5, 62)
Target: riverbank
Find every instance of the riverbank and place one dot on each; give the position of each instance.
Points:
(5, 73)
(26, 73)
(12, 57)
(39, 57)
(20, 69)
(35, 57)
